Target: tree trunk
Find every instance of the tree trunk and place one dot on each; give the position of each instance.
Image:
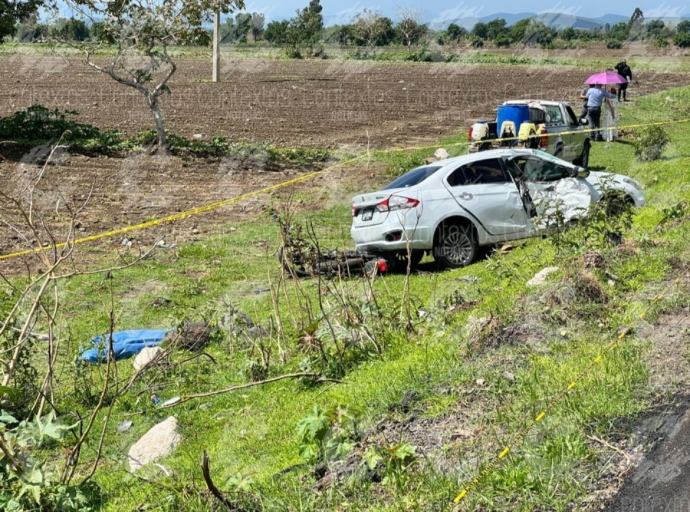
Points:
(162, 146)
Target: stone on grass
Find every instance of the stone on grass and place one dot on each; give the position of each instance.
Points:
(441, 154)
(146, 356)
(158, 442)
(540, 277)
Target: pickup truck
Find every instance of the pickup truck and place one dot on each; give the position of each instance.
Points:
(552, 127)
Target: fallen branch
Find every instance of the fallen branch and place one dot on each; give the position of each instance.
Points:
(610, 446)
(315, 376)
(206, 471)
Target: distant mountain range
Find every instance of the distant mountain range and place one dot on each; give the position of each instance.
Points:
(553, 20)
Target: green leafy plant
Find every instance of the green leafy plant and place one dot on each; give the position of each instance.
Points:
(398, 459)
(27, 482)
(649, 142)
(327, 434)
(40, 124)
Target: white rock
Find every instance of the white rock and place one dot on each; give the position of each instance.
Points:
(441, 154)
(158, 442)
(144, 357)
(540, 277)
(197, 136)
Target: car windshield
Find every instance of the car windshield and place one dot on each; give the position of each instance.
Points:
(414, 177)
(548, 156)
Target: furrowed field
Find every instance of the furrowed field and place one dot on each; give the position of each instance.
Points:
(413, 382)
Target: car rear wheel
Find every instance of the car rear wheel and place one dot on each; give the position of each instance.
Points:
(583, 160)
(456, 245)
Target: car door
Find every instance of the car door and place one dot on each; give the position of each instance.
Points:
(558, 197)
(576, 139)
(556, 124)
(484, 191)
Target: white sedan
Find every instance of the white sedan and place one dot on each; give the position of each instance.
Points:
(454, 206)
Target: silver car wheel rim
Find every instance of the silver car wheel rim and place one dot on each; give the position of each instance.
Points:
(457, 245)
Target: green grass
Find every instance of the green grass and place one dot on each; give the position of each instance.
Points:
(252, 432)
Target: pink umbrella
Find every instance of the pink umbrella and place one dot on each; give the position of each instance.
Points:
(605, 78)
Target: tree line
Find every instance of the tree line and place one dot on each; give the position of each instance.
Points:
(305, 34)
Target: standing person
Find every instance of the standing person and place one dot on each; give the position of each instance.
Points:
(623, 70)
(595, 97)
(610, 122)
(583, 110)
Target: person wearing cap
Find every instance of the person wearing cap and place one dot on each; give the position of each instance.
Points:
(623, 70)
(595, 96)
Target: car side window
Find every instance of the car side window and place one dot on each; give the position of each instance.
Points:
(571, 114)
(535, 169)
(478, 173)
(515, 168)
(554, 115)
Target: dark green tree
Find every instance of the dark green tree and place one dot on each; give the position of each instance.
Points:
(619, 32)
(70, 30)
(480, 30)
(682, 39)
(538, 34)
(242, 26)
(496, 28)
(683, 27)
(455, 32)
(304, 31)
(276, 32)
(517, 31)
(13, 12)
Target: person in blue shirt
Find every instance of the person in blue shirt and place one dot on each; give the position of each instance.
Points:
(595, 96)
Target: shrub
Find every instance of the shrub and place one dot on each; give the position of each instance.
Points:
(40, 124)
(682, 40)
(661, 42)
(477, 43)
(650, 142)
(503, 41)
(614, 44)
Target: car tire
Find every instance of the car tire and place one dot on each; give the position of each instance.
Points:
(455, 245)
(583, 160)
(618, 205)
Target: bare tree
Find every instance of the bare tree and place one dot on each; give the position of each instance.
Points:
(372, 28)
(143, 32)
(410, 25)
(28, 361)
(256, 25)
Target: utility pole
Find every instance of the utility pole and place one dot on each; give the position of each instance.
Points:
(216, 46)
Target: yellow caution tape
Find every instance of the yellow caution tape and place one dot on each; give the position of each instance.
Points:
(305, 177)
(181, 215)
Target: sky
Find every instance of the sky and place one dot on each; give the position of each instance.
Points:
(343, 11)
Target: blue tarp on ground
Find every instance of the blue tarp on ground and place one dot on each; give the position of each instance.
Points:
(125, 344)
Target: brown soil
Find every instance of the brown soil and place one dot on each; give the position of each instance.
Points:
(290, 103)
(300, 103)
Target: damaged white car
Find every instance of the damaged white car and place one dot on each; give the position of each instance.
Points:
(453, 207)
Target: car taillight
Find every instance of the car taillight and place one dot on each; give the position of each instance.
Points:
(544, 138)
(354, 210)
(396, 203)
(469, 135)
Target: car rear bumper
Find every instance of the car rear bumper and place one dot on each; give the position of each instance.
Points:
(396, 233)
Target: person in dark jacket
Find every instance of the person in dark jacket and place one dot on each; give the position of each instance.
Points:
(623, 70)
(583, 94)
